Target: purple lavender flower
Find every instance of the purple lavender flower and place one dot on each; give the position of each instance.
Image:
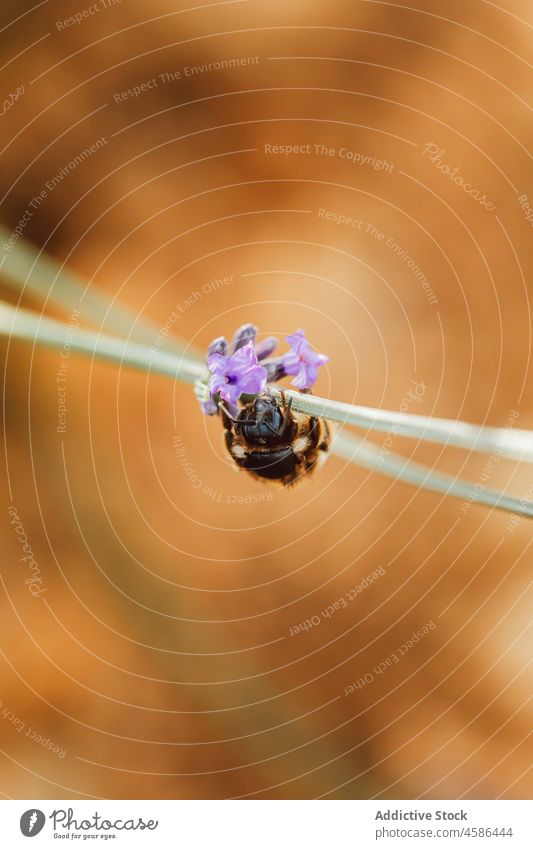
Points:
(236, 369)
(302, 361)
(233, 375)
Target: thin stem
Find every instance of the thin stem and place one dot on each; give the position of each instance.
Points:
(28, 326)
(365, 454)
(504, 442)
(33, 272)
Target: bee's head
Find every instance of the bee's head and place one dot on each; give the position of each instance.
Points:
(262, 422)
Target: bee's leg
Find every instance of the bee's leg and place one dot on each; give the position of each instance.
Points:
(228, 439)
(319, 433)
(313, 433)
(297, 473)
(227, 418)
(287, 409)
(287, 412)
(326, 436)
(310, 463)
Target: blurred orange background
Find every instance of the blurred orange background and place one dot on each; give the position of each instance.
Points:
(229, 140)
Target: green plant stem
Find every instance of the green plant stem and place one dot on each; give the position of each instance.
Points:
(393, 465)
(30, 271)
(25, 325)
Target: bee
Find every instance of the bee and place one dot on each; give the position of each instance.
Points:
(272, 442)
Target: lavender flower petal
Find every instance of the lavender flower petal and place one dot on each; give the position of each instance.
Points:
(218, 346)
(231, 376)
(244, 369)
(301, 361)
(246, 333)
(265, 348)
(275, 370)
(210, 407)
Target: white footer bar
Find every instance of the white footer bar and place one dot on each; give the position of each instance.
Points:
(268, 824)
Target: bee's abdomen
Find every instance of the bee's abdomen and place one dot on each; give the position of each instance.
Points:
(274, 465)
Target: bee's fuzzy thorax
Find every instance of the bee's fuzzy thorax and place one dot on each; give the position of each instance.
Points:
(271, 442)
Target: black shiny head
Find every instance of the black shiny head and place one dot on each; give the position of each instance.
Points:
(262, 422)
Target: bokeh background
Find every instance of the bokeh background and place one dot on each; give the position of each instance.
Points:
(157, 660)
